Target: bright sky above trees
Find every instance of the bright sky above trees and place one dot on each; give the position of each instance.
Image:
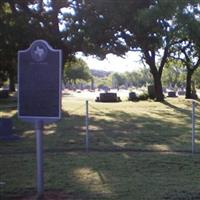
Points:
(114, 63)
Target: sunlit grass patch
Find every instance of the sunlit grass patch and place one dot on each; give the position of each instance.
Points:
(92, 180)
(134, 152)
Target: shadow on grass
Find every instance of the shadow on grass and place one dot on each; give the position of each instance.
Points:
(111, 131)
(139, 133)
(120, 175)
(181, 110)
(105, 176)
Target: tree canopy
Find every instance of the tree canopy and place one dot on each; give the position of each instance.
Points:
(174, 74)
(187, 50)
(155, 28)
(75, 70)
(22, 22)
(145, 26)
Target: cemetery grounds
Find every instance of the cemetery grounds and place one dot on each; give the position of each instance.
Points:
(137, 150)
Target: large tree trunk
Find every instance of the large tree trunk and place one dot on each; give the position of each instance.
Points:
(158, 86)
(150, 60)
(188, 94)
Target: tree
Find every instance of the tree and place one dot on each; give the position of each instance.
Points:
(146, 76)
(7, 45)
(104, 81)
(94, 27)
(135, 78)
(174, 74)
(18, 30)
(145, 26)
(76, 69)
(22, 22)
(196, 76)
(118, 80)
(139, 78)
(191, 60)
(188, 50)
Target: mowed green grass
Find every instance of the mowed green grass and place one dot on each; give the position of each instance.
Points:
(137, 150)
(106, 175)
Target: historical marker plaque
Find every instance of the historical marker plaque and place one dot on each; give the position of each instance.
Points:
(39, 82)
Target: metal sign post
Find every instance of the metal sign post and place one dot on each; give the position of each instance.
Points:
(39, 93)
(39, 156)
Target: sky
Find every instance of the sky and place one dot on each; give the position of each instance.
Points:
(130, 62)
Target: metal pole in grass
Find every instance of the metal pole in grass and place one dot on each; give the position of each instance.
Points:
(39, 156)
(87, 129)
(193, 126)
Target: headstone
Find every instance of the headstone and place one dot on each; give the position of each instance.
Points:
(108, 97)
(181, 92)
(39, 78)
(172, 94)
(6, 130)
(132, 96)
(4, 94)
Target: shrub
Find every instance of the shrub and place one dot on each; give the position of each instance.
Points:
(143, 96)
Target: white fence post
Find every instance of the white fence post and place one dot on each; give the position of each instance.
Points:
(193, 126)
(87, 128)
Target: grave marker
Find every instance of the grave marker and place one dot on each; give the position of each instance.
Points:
(6, 130)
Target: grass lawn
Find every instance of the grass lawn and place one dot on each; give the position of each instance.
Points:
(138, 150)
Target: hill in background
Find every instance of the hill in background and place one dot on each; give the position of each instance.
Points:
(99, 73)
